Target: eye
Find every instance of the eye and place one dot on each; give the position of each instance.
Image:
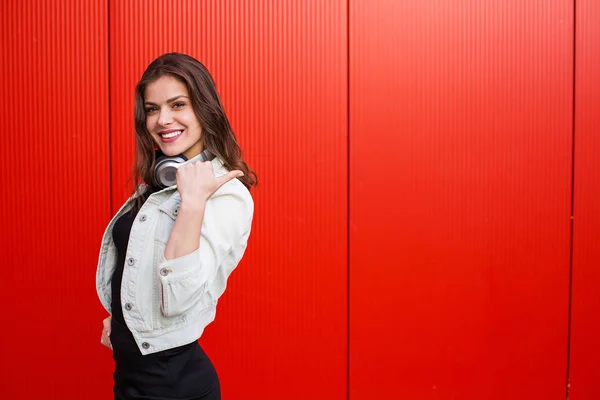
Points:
(150, 110)
(178, 104)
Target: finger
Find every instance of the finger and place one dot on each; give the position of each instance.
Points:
(183, 170)
(106, 340)
(202, 163)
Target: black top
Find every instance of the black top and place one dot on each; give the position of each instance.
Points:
(121, 232)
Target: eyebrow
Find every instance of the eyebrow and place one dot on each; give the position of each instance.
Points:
(168, 100)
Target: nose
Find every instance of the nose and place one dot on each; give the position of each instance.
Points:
(165, 118)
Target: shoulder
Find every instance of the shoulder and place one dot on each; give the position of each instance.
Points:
(234, 187)
(232, 202)
(233, 197)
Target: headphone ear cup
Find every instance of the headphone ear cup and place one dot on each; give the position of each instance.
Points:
(165, 170)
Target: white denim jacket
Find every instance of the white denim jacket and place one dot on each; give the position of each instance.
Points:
(169, 303)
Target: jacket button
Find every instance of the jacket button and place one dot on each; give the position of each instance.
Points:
(176, 210)
(143, 217)
(128, 306)
(164, 272)
(146, 345)
(130, 261)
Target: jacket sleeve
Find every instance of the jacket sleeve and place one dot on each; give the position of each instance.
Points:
(224, 235)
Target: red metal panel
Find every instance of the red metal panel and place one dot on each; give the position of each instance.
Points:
(281, 67)
(585, 320)
(55, 197)
(460, 141)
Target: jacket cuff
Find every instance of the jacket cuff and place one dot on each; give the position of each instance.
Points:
(180, 267)
(182, 283)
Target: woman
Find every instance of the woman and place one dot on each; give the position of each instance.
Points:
(167, 253)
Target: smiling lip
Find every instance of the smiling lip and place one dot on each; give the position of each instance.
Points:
(170, 135)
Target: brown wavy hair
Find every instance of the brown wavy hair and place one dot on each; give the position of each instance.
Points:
(217, 135)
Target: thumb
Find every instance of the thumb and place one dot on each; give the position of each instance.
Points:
(221, 180)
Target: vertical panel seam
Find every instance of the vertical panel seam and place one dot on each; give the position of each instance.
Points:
(570, 301)
(348, 194)
(110, 150)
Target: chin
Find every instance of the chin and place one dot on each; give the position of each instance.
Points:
(170, 153)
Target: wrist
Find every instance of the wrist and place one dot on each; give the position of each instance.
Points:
(193, 204)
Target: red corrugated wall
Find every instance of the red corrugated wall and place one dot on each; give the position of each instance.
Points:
(412, 235)
(460, 198)
(54, 164)
(585, 318)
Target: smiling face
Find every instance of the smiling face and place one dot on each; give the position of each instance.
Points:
(170, 118)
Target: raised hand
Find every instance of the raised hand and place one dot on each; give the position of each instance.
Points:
(196, 182)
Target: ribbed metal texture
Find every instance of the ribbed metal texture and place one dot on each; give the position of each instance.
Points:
(585, 315)
(281, 326)
(55, 196)
(460, 139)
(461, 127)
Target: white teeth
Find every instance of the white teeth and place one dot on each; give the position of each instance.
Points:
(171, 135)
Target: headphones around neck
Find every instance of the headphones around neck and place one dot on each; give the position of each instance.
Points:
(165, 170)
